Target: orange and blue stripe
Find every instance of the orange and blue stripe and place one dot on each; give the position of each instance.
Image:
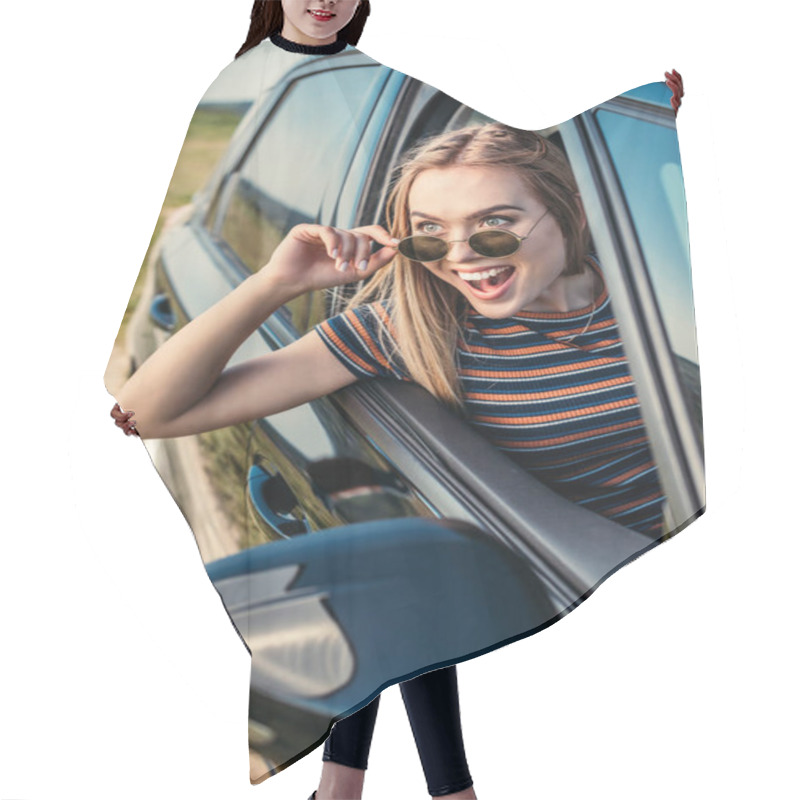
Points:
(567, 412)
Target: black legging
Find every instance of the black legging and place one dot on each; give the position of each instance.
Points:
(432, 706)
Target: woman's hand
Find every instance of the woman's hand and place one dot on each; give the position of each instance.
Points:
(675, 83)
(320, 256)
(124, 420)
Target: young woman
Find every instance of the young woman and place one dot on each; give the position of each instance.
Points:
(483, 293)
(314, 23)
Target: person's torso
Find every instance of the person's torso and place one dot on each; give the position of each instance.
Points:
(554, 392)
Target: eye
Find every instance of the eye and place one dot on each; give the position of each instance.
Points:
(495, 221)
(423, 227)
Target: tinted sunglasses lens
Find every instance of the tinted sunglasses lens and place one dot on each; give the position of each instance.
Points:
(423, 248)
(494, 243)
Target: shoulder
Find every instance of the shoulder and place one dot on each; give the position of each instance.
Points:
(247, 77)
(368, 322)
(364, 338)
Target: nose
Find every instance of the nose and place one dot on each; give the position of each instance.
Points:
(461, 253)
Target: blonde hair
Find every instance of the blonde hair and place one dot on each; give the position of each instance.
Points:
(427, 314)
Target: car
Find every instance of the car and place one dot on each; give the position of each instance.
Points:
(383, 450)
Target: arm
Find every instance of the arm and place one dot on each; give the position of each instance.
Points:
(184, 388)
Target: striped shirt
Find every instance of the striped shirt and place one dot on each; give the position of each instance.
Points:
(567, 412)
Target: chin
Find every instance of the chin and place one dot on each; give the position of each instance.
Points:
(497, 313)
(493, 310)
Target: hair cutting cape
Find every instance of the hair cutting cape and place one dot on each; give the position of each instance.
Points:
(372, 535)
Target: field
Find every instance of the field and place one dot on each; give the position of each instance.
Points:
(208, 135)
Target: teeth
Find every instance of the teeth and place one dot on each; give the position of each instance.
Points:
(479, 276)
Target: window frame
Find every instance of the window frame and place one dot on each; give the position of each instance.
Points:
(672, 430)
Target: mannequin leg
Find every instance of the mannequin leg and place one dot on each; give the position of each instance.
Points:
(345, 755)
(431, 701)
(433, 711)
(351, 737)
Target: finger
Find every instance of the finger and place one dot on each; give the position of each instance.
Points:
(347, 251)
(375, 262)
(675, 81)
(380, 259)
(675, 85)
(363, 251)
(365, 261)
(331, 238)
(378, 233)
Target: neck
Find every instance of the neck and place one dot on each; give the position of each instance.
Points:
(306, 44)
(569, 293)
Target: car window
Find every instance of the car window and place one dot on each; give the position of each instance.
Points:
(647, 163)
(468, 117)
(354, 194)
(285, 174)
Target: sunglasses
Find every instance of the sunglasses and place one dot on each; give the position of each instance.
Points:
(490, 243)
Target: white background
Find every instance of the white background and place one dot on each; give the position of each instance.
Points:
(121, 675)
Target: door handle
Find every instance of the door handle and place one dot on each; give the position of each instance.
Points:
(161, 312)
(270, 500)
(357, 491)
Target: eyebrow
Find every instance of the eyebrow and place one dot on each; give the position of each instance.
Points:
(477, 214)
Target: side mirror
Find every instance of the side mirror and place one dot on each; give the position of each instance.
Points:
(333, 617)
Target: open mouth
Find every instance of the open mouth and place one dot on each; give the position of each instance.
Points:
(488, 283)
(323, 16)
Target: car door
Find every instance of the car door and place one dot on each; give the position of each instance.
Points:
(204, 473)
